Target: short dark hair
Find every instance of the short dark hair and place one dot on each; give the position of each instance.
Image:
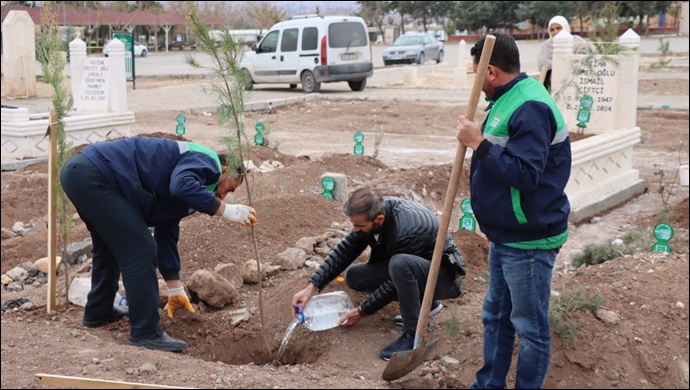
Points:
(505, 55)
(364, 201)
(239, 168)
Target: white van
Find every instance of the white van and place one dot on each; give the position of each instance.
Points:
(312, 50)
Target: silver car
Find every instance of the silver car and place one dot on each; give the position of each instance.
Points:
(413, 48)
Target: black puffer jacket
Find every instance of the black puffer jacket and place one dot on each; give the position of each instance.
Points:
(408, 228)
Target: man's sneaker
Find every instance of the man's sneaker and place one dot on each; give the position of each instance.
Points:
(161, 343)
(403, 343)
(436, 307)
(115, 315)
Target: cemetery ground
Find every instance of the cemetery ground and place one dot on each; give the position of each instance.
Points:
(639, 340)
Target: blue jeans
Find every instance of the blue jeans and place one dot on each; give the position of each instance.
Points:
(517, 300)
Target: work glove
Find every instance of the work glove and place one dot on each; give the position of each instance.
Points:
(240, 214)
(177, 299)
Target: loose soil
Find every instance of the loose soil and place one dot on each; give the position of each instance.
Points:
(647, 348)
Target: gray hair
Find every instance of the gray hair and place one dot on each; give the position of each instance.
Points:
(364, 201)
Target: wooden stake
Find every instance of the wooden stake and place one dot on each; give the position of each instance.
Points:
(87, 383)
(52, 207)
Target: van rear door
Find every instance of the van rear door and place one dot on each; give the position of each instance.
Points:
(348, 43)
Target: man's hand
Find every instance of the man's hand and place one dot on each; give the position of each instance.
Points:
(468, 132)
(351, 318)
(177, 299)
(240, 214)
(302, 297)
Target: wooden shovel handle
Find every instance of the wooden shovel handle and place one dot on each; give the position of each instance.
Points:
(423, 320)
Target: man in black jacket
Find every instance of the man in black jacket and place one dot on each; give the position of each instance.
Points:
(402, 236)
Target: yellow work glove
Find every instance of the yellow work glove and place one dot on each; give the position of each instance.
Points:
(177, 299)
(240, 214)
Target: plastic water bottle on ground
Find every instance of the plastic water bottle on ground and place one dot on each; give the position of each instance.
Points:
(79, 291)
(325, 310)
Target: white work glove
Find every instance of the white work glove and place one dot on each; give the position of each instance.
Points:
(240, 214)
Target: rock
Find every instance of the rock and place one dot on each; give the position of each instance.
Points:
(291, 259)
(77, 249)
(18, 274)
(232, 273)
(30, 268)
(212, 288)
(322, 251)
(28, 232)
(306, 244)
(14, 286)
(272, 270)
(333, 242)
(236, 316)
(42, 264)
(6, 279)
(249, 166)
(250, 272)
(680, 305)
(18, 227)
(148, 368)
(683, 365)
(6, 234)
(607, 316)
(312, 264)
(450, 361)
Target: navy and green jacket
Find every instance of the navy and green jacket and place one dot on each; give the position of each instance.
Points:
(165, 180)
(520, 170)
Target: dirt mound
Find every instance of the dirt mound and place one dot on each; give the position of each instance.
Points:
(646, 348)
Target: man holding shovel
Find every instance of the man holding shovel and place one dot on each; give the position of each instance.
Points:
(520, 167)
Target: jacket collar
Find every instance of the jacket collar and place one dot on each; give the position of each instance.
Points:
(500, 91)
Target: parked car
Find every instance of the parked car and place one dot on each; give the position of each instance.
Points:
(312, 50)
(413, 48)
(139, 49)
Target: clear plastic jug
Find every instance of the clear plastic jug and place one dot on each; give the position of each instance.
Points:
(325, 310)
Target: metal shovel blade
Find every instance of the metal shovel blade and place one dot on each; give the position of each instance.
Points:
(402, 363)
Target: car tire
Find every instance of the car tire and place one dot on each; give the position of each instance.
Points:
(386, 63)
(421, 58)
(358, 85)
(309, 83)
(440, 57)
(249, 82)
(293, 86)
(143, 53)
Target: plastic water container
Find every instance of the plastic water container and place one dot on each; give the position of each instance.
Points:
(79, 290)
(325, 310)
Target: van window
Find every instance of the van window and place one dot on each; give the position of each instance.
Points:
(269, 44)
(346, 34)
(289, 42)
(310, 38)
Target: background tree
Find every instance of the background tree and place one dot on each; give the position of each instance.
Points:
(264, 14)
(374, 13)
(538, 13)
(230, 90)
(643, 10)
(53, 64)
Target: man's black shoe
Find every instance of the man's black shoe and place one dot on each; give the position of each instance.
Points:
(161, 343)
(436, 307)
(115, 315)
(403, 343)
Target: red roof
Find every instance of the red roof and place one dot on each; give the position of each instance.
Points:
(82, 17)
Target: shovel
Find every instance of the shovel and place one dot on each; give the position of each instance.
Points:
(402, 363)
